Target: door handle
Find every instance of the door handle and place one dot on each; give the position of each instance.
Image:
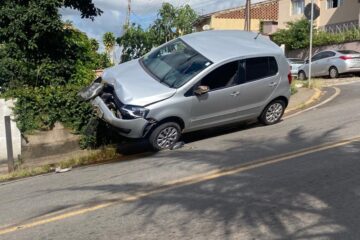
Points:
(234, 94)
(272, 84)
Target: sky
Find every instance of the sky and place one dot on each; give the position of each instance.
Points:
(143, 13)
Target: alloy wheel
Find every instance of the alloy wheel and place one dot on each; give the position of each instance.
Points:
(274, 112)
(167, 137)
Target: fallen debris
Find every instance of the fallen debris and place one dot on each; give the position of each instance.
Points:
(177, 145)
(62, 170)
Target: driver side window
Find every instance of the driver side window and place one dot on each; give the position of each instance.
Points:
(223, 76)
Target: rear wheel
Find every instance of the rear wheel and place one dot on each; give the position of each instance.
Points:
(165, 136)
(333, 72)
(302, 75)
(273, 112)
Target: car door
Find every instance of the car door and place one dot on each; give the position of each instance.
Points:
(316, 64)
(217, 106)
(325, 63)
(258, 81)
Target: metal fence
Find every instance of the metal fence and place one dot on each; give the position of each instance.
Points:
(341, 27)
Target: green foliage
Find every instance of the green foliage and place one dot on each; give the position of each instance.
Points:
(37, 49)
(135, 42)
(297, 36)
(293, 89)
(45, 62)
(103, 61)
(171, 23)
(41, 107)
(324, 38)
(109, 41)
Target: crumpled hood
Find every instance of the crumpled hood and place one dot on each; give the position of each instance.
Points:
(133, 86)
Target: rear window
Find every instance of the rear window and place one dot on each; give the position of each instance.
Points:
(261, 67)
(348, 52)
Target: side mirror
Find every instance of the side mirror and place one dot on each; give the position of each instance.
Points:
(200, 90)
(307, 61)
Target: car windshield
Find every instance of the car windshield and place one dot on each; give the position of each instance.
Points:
(348, 52)
(175, 63)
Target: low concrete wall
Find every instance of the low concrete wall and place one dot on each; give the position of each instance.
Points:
(50, 146)
(5, 110)
(304, 53)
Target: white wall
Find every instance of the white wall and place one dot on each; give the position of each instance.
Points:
(5, 110)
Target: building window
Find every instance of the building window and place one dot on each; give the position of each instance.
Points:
(334, 3)
(297, 6)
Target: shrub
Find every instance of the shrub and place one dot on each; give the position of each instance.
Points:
(297, 36)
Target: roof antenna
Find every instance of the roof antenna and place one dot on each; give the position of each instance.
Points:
(257, 35)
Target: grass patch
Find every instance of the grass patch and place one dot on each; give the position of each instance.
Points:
(104, 155)
(315, 83)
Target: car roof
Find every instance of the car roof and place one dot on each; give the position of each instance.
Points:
(221, 45)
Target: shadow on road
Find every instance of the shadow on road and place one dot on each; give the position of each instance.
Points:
(131, 147)
(310, 197)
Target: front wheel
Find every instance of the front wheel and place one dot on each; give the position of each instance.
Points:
(272, 113)
(165, 136)
(302, 76)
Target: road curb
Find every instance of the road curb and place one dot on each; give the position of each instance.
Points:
(332, 97)
(311, 100)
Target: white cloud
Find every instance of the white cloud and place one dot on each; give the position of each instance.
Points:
(143, 12)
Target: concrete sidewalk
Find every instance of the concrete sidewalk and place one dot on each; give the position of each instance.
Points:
(302, 96)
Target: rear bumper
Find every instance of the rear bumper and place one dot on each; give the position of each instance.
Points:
(132, 128)
(351, 69)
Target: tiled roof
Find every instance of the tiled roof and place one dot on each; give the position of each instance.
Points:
(268, 10)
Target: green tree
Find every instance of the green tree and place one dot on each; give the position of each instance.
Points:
(171, 23)
(295, 36)
(109, 41)
(135, 42)
(35, 43)
(94, 44)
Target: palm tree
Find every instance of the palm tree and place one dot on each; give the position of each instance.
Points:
(109, 41)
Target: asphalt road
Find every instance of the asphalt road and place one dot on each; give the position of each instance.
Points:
(298, 179)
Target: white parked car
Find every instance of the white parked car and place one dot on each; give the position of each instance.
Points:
(332, 64)
(295, 63)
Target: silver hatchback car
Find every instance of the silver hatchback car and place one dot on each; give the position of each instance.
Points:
(331, 63)
(197, 81)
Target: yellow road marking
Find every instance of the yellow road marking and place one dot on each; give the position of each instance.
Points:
(337, 93)
(312, 99)
(183, 182)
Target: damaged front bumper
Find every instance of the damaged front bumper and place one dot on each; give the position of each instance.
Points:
(109, 108)
(132, 128)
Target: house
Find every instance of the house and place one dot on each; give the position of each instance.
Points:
(335, 15)
(264, 17)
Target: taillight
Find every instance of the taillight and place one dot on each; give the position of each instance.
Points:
(345, 57)
(290, 78)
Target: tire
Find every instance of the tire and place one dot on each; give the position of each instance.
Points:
(165, 136)
(302, 76)
(333, 72)
(272, 113)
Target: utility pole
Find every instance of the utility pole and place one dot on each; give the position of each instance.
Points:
(127, 21)
(247, 26)
(311, 39)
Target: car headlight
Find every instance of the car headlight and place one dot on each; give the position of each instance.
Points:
(135, 111)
